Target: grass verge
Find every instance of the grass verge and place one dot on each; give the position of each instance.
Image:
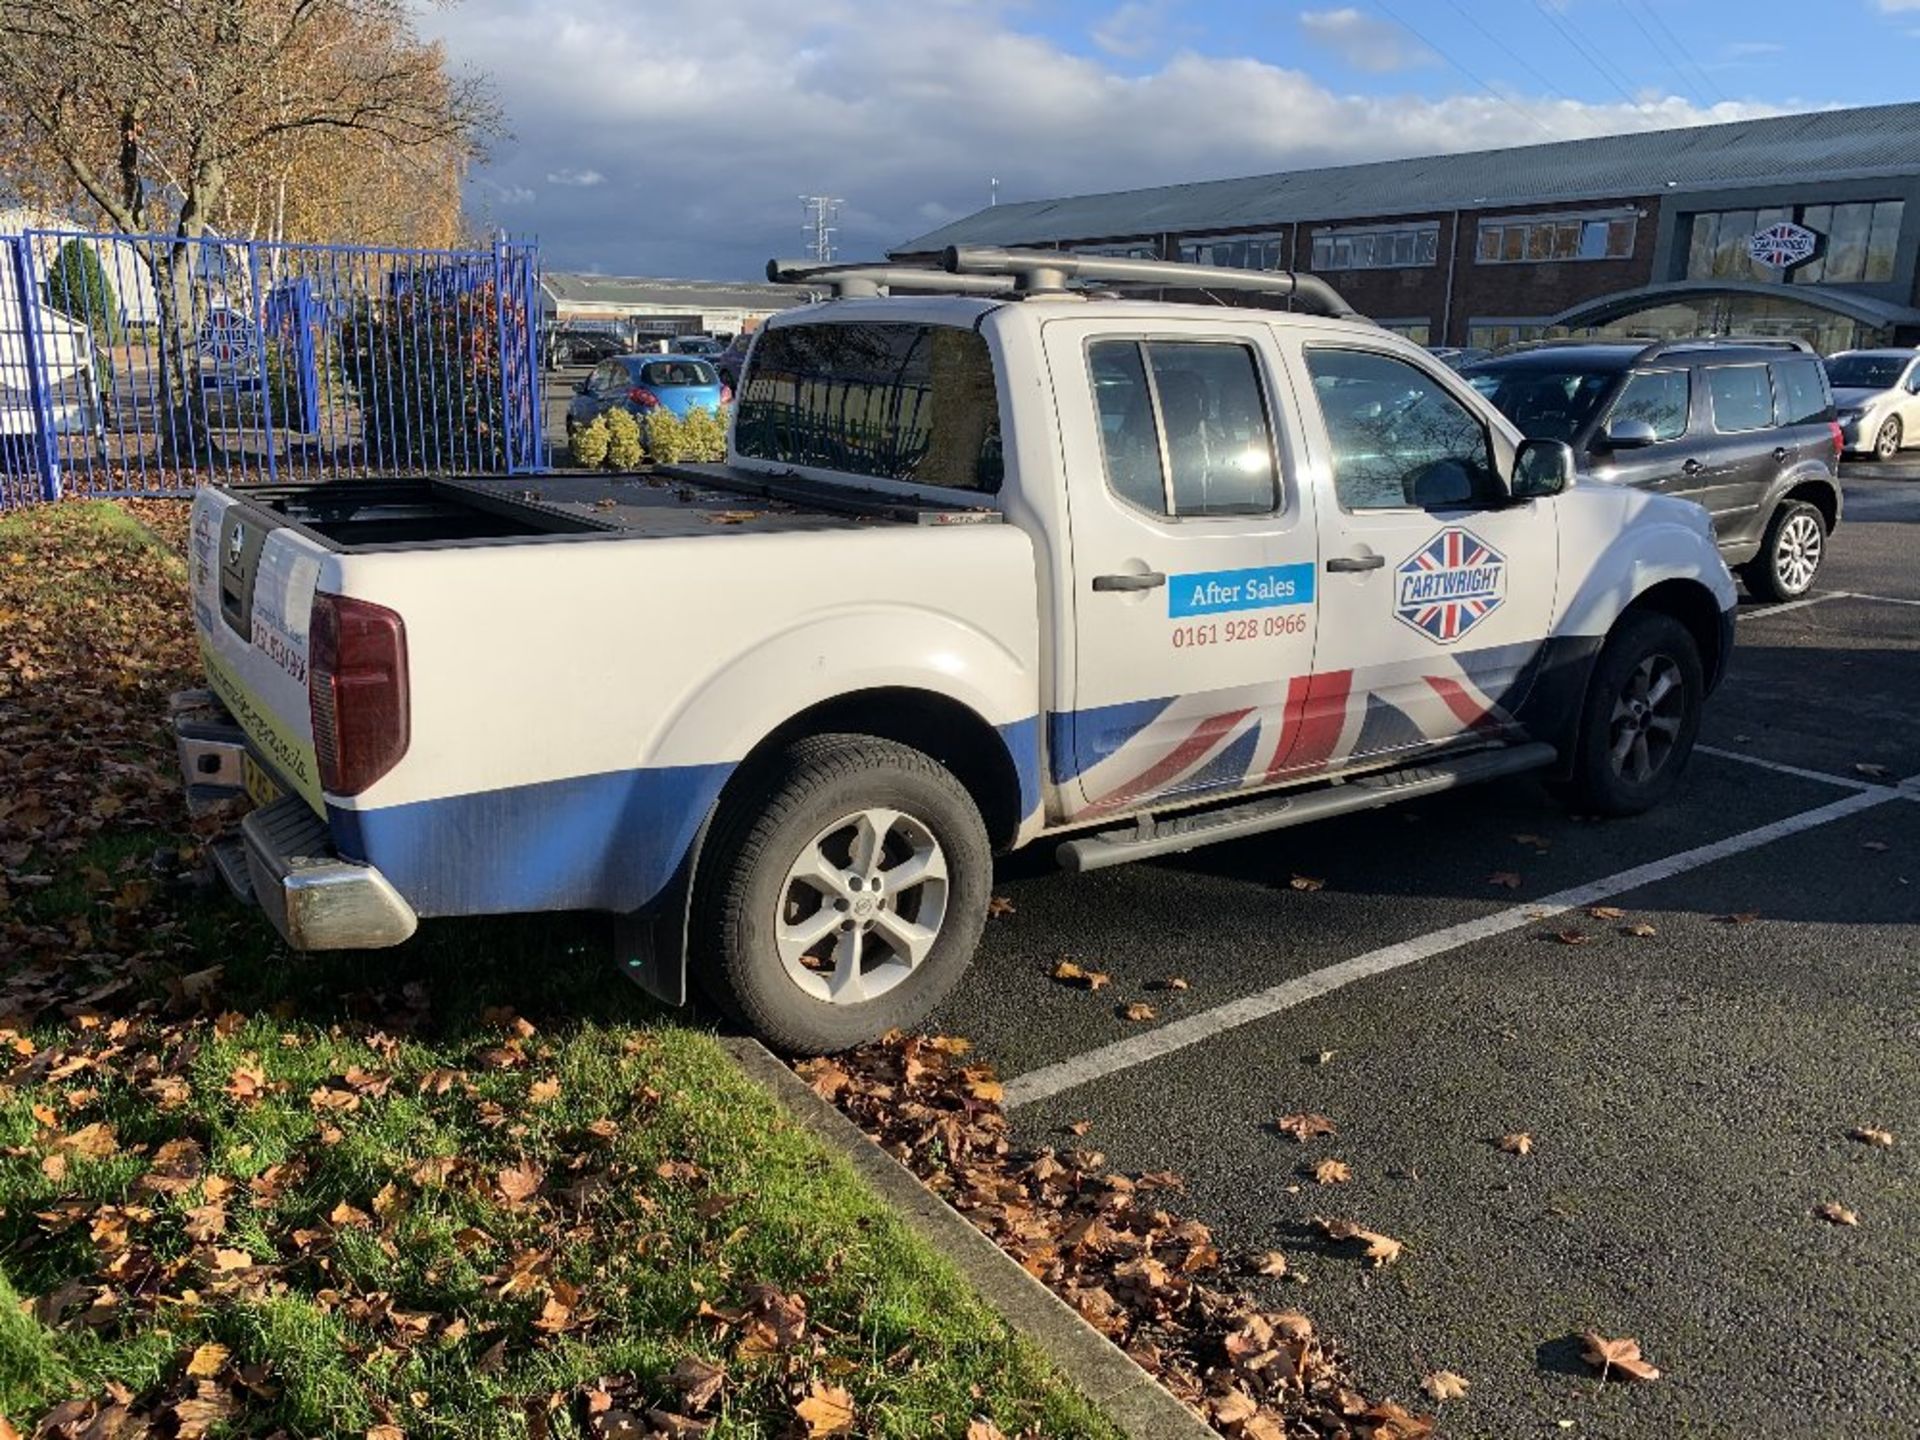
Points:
(475, 1186)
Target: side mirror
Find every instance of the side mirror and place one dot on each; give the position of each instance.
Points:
(1541, 469)
(1627, 434)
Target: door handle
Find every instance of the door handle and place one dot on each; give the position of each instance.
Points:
(1779, 454)
(1692, 467)
(1351, 564)
(1145, 580)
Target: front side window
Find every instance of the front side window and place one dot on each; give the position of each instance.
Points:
(1400, 439)
(1659, 398)
(1183, 427)
(1742, 399)
(895, 400)
(1799, 392)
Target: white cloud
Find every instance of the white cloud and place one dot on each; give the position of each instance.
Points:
(713, 127)
(1132, 30)
(581, 179)
(1364, 41)
(1896, 7)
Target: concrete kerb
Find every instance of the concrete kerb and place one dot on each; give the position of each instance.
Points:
(1101, 1371)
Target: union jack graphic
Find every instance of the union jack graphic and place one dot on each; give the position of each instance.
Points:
(1128, 756)
(1450, 584)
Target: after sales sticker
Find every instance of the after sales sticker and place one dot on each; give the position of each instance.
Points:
(1213, 592)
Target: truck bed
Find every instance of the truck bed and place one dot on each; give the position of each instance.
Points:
(359, 516)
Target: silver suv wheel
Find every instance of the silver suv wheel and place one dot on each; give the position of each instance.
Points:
(861, 906)
(1797, 550)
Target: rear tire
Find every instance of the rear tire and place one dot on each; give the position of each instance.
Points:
(847, 892)
(1640, 718)
(1791, 554)
(1886, 445)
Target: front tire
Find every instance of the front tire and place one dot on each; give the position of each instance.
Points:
(1640, 718)
(1790, 555)
(1886, 445)
(847, 894)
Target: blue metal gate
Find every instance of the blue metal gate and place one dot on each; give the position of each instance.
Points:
(145, 364)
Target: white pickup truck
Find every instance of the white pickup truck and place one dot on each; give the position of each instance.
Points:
(1026, 563)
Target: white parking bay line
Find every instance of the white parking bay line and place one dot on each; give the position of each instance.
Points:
(1107, 1060)
(1778, 768)
(1761, 612)
(1881, 599)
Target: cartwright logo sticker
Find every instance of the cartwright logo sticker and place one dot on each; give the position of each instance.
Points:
(1449, 585)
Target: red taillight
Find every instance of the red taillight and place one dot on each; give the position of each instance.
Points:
(1838, 437)
(726, 393)
(357, 690)
(643, 397)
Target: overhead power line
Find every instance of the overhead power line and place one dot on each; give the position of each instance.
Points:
(1506, 49)
(1705, 75)
(1527, 115)
(1672, 61)
(1592, 56)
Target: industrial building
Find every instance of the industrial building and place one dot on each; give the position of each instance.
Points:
(1805, 225)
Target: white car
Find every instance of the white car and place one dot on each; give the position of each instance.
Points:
(1876, 397)
(982, 571)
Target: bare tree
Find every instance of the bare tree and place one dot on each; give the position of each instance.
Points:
(153, 112)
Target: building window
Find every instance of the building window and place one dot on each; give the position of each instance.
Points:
(1420, 332)
(1387, 249)
(1236, 252)
(1494, 334)
(1533, 238)
(1857, 243)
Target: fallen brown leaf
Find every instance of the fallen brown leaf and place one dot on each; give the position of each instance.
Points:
(1444, 1385)
(1306, 882)
(1137, 1011)
(1640, 930)
(207, 1359)
(1305, 1126)
(1573, 937)
(999, 905)
(1333, 1172)
(1622, 1355)
(1836, 1213)
(1074, 974)
(1872, 771)
(984, 1429)
(1272, 1262)
(518, 1183)
(1520, 1142)
(1504, 878)
(1740, 917)
(1867, 1135)
(1172, 982)
(827, 1410)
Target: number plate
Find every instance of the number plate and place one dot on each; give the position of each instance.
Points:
(262, 788)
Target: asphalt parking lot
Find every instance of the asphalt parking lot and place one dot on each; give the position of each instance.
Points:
(1689, 1092)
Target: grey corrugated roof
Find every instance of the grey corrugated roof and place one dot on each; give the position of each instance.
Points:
(570, 289)
(1823, 145)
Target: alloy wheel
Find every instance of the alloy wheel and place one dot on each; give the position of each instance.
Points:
(862, 906)
(1887, 444)
(1645, 725)
(1797, 550)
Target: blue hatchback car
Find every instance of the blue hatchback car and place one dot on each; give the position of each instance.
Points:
(644, 383)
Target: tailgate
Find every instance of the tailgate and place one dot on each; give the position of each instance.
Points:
(253, 580)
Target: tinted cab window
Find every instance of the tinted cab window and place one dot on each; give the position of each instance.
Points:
(1741, 396)
(1399, 439)
(1659, 399)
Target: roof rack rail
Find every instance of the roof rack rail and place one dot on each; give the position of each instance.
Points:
(860, 280)
(1713, 342)
(1046, 272)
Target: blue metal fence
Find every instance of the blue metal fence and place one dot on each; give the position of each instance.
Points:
(145, 364)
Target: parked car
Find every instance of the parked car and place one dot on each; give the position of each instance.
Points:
(731, 361)
(640, 383)
(1459, 356)
(977, 575)
(704, 346)
(582, 347)
(1745, 428)
(1877, 396)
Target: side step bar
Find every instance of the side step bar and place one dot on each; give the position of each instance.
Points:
(1180, 833)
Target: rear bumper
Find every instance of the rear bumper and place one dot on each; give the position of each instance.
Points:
(283, 858)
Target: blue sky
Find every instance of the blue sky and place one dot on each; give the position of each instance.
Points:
(678, 143)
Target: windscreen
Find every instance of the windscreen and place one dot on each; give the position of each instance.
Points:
(1545, 404)
(1865, 372)
(895, 400)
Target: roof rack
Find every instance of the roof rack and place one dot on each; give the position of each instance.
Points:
(1046, 272)
(1713, 342)
(862, 280)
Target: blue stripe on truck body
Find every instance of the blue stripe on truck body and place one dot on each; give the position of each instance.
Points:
(591, 842)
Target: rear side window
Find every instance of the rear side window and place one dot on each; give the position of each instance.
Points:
(1183, 427)
(678, 372)
(1800, 392)
(887, 399)
(1742, 399)
(1658, 397)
